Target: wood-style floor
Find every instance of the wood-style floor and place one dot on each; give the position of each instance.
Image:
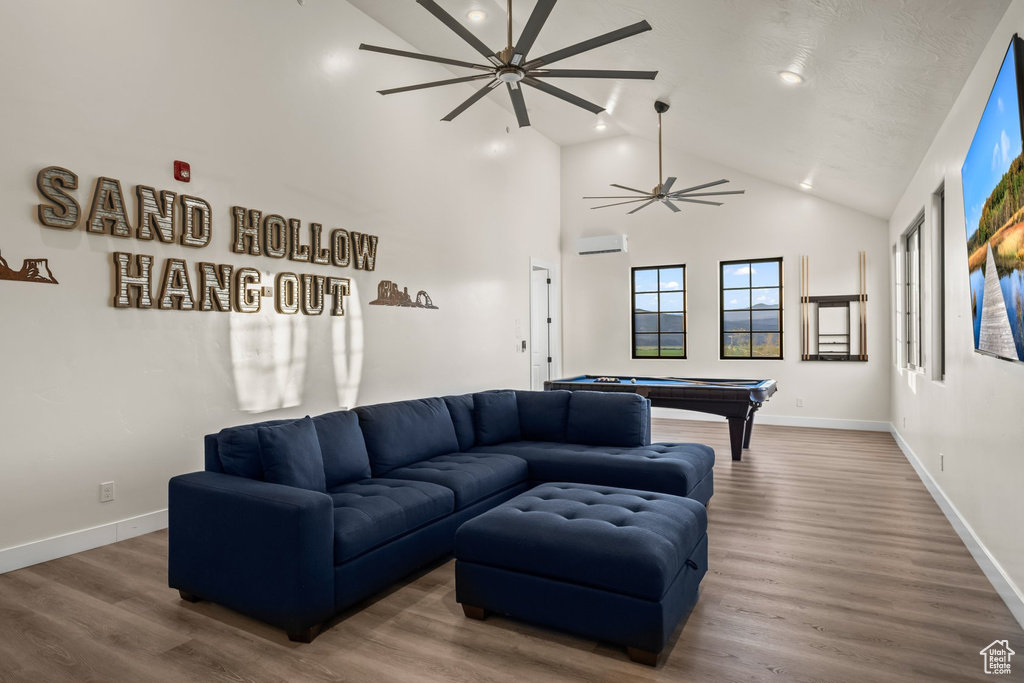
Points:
(829, 562)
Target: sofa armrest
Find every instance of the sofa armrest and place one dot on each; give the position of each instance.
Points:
(261, 549)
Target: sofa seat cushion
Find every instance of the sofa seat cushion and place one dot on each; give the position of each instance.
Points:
(471, 476)
(675, 468)
(371, 512)
(628, 542)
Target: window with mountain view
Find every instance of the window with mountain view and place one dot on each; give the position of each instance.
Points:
(752, 309)
(659, 312)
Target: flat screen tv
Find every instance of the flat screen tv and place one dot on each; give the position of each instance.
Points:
(993, 184)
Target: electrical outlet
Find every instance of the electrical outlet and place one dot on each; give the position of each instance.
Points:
(106, 492)
(799, 403)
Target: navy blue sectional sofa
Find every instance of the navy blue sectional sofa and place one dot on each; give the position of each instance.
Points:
(293, 521)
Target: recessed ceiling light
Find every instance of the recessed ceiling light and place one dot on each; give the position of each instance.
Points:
(791, 77)
(600, 125)
(477, 15)
(806, 185)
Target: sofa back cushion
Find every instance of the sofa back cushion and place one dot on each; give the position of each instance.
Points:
(290, 454)
(461, 410)
(496, 415)
(607, 419)
(401, 433)
(342, 447)
(238, 450)
(543, 414)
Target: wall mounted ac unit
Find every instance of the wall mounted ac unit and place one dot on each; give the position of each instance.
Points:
(605, 244)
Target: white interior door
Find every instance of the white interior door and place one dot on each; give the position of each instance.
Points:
(540, 327)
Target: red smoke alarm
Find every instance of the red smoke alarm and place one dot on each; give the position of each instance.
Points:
(182, 171)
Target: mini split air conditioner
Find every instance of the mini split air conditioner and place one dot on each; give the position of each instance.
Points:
(604, 244)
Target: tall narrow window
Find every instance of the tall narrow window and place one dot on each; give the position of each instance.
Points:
(751, 309)
(659, 312)
(939, 287)
(912, 300)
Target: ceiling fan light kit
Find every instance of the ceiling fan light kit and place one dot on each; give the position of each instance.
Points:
(663, 192)
(511, 66)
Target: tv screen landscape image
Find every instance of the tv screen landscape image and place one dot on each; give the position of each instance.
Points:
(993, 186)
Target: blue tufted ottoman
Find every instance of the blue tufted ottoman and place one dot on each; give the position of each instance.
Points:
(607, 563)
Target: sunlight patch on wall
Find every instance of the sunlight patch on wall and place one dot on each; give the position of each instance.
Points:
(347, 348)
(268, 357)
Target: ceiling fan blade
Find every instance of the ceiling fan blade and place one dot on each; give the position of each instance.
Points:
(700, 187)
(706, 194)
(669, 204)
(472, 100)
(586, 45)
(435, 84)
(695, 201)
(426, 58)
(632, 201)
(631, 189)
(519, 104)
(667, 185)
(563, 95)
(649, 196)
(464, 33)
(593, 73)
(642, 206)
(531, 30)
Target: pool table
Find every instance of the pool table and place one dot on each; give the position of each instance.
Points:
(735, 399)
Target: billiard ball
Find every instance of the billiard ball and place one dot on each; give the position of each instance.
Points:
(633, 381)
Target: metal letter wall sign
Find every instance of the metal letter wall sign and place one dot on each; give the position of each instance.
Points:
(388, 295)
(32, 270)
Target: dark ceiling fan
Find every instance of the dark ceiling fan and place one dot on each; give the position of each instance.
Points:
(662, 192)
(511, 67)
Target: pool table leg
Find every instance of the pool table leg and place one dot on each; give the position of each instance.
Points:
(737, 426)
(747, 430)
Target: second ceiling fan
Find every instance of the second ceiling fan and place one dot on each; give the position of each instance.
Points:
(511, 66)
(662, 192)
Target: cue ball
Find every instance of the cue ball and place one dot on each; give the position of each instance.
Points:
(633, 381)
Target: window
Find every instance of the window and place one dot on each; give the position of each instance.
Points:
(938, 287)
(912, 294)
(752, 309)
(659, 312)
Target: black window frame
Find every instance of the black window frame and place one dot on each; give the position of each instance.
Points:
(914, 322)
(722, 289)
(659, 291)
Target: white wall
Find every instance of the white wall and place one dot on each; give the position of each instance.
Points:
(275, 109)
(972, 420)
(768, 221)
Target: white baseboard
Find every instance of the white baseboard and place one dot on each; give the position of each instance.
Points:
(78, 541)
(780, 420)
(1004, 585)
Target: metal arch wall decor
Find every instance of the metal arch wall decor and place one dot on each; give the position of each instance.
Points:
(388, 294)
(32, 270)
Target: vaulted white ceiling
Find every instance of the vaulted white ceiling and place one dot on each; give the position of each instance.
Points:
(881, 75)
